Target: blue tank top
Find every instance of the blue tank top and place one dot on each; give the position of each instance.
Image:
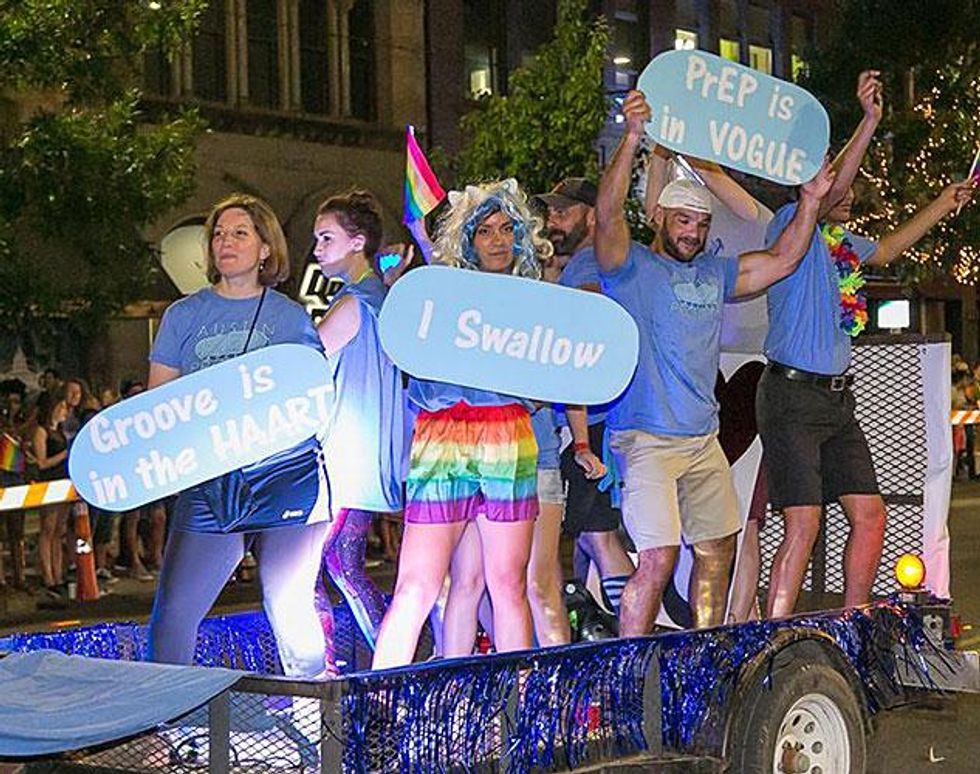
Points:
(364, 441)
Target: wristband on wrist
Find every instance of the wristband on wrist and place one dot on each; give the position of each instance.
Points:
(581, 446)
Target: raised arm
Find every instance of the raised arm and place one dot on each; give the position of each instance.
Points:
(727, 191)
(896, 242)
(612, 234)
(759, 269)
(657, 163)
(848, 161)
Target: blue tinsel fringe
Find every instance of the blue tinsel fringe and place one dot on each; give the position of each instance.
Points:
(540, 709)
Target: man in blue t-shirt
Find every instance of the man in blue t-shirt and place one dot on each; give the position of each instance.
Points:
(590, 517)
(815, 450)
(664, 428)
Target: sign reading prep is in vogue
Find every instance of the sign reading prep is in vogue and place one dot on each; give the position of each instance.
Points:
(721, 111)
(201, 426)
(510, 335)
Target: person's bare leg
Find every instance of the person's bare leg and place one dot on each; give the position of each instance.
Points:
(158, 531)
(612, 563)
(45, 544)
(506, 553)
(645, 590)
(58, 552)
(15, 533)
(745, 583)
(862, 555)
(422, 566)
(390, 524)
(745, 588)
(544, 579)
(708, 584)
(131, 524)
(802, 526)
(466, 587)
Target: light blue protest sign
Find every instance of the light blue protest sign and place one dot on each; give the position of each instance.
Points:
(508, 334)
(714, 109)
(200, 426)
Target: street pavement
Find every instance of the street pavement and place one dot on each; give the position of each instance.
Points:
(941, 736)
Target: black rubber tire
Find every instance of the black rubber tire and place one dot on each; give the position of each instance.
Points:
(755, 725)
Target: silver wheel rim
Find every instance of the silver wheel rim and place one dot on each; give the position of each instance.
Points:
(812, 738)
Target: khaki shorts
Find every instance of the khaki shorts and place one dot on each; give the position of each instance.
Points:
(551, 489)
(674, 486)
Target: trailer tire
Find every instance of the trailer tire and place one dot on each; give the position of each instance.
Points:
(804, 718)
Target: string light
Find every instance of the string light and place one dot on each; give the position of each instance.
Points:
(945, 118)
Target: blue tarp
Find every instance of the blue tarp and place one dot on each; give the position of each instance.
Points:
(52, 703)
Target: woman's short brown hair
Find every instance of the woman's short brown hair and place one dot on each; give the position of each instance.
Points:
(275, 267)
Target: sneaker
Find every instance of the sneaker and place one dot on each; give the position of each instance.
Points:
(105, 576)
(57, 593)
(142, 575)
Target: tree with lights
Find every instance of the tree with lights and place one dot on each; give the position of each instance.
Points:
(930, 61)
(81, 174)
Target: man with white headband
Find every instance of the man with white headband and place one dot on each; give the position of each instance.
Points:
(663, 430)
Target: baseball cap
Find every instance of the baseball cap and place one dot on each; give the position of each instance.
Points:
(685, 195)
(571, 190)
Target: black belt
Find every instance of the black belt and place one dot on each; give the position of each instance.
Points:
(832, 383)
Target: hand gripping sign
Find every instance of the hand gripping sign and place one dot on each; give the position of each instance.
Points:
(510, 335)
(714, 109)
(201, 426)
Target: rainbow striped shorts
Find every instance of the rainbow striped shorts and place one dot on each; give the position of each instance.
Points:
(468, 460)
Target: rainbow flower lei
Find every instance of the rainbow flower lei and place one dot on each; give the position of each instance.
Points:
(853, 305)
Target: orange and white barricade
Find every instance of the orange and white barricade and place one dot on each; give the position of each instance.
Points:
(41, 493)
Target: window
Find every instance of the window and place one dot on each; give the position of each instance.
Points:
(313, 62)
(685, 40)
(481, 47)
(263, 54)
(799, 41)
(361, 26)
(797, 65)
(208, 51)
(728, 49)
(728, 19)
(630, 41)
(760, 58)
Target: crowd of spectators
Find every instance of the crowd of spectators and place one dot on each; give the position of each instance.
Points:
(965, 397)
(37, 432)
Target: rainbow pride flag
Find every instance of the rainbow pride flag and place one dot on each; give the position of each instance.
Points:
(422, 190)
(11, 456)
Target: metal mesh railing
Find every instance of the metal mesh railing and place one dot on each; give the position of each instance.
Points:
(537, 711)
(889, 390)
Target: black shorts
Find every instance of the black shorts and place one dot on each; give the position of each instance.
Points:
(814, 449)
(586, 508)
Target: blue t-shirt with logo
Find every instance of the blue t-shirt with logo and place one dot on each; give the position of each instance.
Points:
(804, 308)
(582, 270)
(545, 426)
(430, 396)
(205, 328)
(677, 307)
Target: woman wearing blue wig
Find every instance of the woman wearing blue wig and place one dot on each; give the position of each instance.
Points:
(473, 455)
